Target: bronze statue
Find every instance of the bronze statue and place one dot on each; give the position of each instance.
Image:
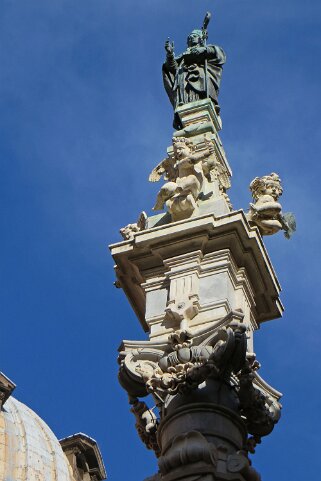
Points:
(196, 73)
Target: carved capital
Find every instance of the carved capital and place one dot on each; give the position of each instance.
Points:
(179, 369)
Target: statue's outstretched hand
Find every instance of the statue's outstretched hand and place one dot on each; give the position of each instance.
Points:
(169, 47)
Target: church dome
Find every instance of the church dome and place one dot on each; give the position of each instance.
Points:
(28, 448)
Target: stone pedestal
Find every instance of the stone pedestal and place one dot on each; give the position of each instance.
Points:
(207, 265)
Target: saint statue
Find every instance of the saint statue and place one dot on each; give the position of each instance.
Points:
(196, 73)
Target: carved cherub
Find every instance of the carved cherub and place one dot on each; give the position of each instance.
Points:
(185, 172)
(266, 212)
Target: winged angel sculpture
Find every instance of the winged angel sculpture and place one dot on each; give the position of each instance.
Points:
(187, 173)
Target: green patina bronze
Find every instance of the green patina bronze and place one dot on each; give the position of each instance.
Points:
(196, 73)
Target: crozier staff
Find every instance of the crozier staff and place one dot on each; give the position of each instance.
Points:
(205, 37)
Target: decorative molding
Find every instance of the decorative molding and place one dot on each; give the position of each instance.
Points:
(181, 366)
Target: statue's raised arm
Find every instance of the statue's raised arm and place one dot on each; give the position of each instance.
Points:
(196, 73)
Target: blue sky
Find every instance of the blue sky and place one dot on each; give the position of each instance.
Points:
(83, 120)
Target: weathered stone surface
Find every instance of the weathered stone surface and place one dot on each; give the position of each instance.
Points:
(29, 450)
(266, 212)
(223, 252)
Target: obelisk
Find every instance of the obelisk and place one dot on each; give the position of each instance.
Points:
(200, 281)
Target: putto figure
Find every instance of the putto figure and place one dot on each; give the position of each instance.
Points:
(196, 73)
(185, 172)
(266, 212)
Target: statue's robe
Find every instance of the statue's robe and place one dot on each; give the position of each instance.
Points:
(185, 77)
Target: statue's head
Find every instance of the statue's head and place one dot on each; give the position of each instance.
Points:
(195, 39)
(266, 185)
(182, 147)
